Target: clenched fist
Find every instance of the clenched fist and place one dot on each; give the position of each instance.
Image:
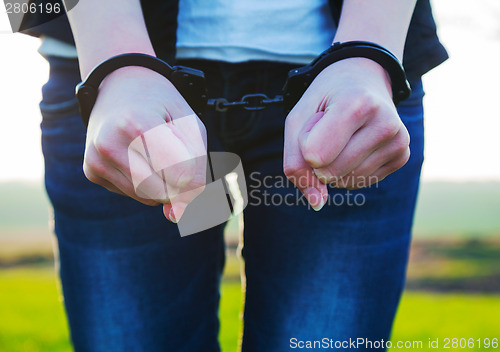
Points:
(344, 131)
(144, 141)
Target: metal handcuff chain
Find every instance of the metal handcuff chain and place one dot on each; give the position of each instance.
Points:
(250, 102)
(192, 86)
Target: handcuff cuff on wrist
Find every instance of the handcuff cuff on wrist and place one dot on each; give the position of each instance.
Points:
(191, 82)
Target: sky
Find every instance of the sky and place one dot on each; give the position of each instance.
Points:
(462, 117)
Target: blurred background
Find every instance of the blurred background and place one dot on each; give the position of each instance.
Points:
(453, 287)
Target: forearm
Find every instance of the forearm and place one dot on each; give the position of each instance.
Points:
(103, 29)
(384, 22)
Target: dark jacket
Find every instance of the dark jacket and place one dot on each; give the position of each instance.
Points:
(423, 51)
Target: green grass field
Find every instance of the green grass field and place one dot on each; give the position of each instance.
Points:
(32, 317)
(429, 315)
(453, 288)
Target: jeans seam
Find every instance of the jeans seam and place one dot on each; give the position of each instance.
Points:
(57, 110)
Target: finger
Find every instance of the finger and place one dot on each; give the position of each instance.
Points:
(116, 182)
(167, 208)
(296, 169)
(368, 147)
(382, 163)
(390, 168)
(330, 135)
(149, 174)
(192, 132)
(175, 210)
(105, 152)
(164, 150)
(298, 122)
(397, 150)
(147, 182)
(108, 185)
(181, 197)
(103, 157)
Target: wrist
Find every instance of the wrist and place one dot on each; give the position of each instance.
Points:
(117, 27)
(367, 71)
(93, 58)
(190, 83)
(393, 44)
(136, 76)
(384, 22)
(385, 63)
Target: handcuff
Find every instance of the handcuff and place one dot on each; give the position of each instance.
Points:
(192, 86)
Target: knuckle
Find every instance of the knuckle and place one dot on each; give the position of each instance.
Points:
(131, 126)
(388, 131)
(289, 170)
(405, 135)
(132, 129)
(123, 125)
(370, 102)
(90, 174)
(406, 156)
(400, 162)
(364, 104)
(93, 169)
(401, 146)
(104, 148)
(402, 142)
(314, 157)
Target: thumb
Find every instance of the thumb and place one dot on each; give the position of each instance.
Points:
(297, 170)
(316, 193)
(322, 142)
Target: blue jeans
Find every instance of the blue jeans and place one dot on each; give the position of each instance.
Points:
(131, 283)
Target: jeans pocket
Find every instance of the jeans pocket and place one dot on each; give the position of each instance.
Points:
(63, 134)
(54, 111)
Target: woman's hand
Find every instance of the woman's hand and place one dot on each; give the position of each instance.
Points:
(344, 131)
(144, 141)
